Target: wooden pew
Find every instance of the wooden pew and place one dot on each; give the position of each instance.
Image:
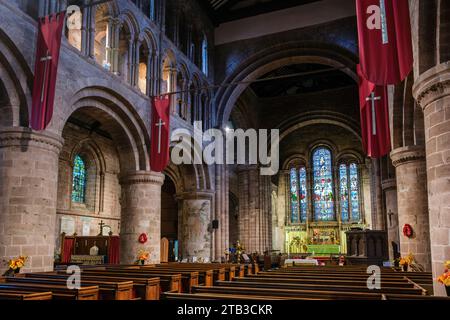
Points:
(317, 287)
(59, 292)
(108, 290)
(335, 281)
(290, 293)
(208, 272)
(143, 288)
(356, 276)
(24, 295)
(221, 271)
(412, 297)
(189, 278)
(168, 282)
(225, 296)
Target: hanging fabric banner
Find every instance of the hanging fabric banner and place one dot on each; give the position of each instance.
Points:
(46, 69)
(160, 130)
(374, 109)
(385, 45)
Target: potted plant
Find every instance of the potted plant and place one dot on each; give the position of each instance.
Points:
(15, 265)
(445, 278)
(142, 257)
(406, 261)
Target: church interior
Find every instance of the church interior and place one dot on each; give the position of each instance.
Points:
(81, 191)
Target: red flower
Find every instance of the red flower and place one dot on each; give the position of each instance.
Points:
(407, 230)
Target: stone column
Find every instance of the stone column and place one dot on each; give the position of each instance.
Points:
(252, 209)
(196, 228)
(432, 92)
(378, 222)
(28, 193)
(409, 163)
(141, 213)
(390, 199)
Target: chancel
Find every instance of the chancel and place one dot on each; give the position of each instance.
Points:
(98, 97)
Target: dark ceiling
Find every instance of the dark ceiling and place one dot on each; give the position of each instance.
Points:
(222, 11)
(300, 84)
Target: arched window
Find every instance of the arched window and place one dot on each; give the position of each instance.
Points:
(294, 196)
(299, 201)
(205, 56)
(343, 189)
(79, 178)
(354, 192)
(323, 185)
(349, 192)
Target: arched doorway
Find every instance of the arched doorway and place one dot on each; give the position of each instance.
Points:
(169, 217)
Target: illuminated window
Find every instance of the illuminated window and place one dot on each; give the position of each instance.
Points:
(323, 185)
(79, 180)
(299, 201)
(349, 192)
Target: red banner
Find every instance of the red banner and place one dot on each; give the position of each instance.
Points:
(374, 109)
(46, 69)
(385, 47)
(159, 155)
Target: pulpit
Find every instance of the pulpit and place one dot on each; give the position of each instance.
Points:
(368, 247)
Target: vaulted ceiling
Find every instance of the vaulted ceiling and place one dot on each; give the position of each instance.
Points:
(300, 79)
(222, 11)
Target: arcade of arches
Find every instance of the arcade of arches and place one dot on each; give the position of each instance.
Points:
(92, 164)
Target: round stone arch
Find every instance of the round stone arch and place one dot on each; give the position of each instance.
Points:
(95, 162)
(15, 80)
(122, 117)
(295, 159)
(127, 17)
(276, 57)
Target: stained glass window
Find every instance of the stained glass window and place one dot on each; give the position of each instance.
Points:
(78, 180)
(343, 188)
(303, 198)
(294, 196)
(354, 191)
(323, 185)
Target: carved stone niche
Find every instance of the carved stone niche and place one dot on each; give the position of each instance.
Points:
(369, 247)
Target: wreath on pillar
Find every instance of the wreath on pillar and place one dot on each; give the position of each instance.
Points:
(407, 230)
(142, 238)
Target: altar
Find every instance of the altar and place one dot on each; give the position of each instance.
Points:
(87, 259)
(293, 262)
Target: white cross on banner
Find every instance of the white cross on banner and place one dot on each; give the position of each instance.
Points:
(45, 60)
(159, 125)
(373, 99)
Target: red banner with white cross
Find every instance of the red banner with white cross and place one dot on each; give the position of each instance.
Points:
(385, 45)
(374, 110)
(46, 69)
(160, 130)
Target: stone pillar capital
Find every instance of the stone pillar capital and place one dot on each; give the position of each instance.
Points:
(26, 137)
(389, 184)
(408, 154)
(196, 195)
(432, 85)
(143, 177)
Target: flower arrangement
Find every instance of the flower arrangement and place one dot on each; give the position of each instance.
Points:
(15, 265)
(142, 257)
(405, 261)
(445, 277)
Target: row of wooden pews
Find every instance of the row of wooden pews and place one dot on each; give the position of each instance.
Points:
(317, 283)
(215, 281)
